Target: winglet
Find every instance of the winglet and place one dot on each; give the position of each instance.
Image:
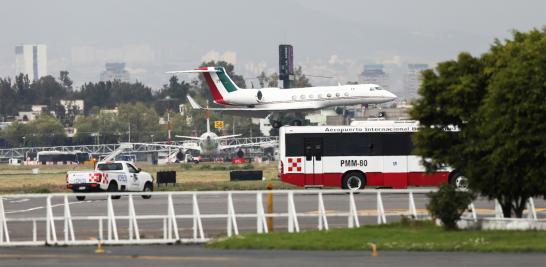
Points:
(193, 103)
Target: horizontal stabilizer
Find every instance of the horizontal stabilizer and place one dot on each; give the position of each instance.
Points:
(198, 70)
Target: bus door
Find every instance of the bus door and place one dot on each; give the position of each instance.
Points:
(313, 160)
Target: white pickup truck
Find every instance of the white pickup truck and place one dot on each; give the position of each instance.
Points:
(111, 176)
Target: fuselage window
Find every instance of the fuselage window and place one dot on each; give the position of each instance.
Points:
(338, 94)
(294, 97)
(329, 95)
(302, 96)
(311, 96)
(346, 94)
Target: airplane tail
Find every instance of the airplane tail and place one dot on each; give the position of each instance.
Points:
(220, 84)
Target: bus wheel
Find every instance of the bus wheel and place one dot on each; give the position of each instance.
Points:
(459, 181)
(353, 181)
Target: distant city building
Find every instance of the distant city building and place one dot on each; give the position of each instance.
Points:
(412, 80)
(76, 104)
(31, 60)
(375, 74)
(35, 112)
(115, 71)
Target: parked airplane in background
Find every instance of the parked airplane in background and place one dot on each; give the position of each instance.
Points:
(266, 101)
(209, 142)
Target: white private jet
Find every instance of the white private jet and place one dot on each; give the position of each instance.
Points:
(209, 142)
(265, 101)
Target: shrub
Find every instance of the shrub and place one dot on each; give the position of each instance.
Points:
(205, 167)
(448, 204)
(219, 168)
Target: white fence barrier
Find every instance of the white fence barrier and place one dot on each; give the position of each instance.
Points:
(171, 232)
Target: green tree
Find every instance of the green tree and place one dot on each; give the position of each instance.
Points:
(46, 130)
(16, 134)
(300, 80)
(498, 103)
(8, 98)
(66, 81)
(143, 121)
(109, 94)
(99, 128)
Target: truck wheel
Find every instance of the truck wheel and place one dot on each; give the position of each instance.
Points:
(148, 187)
(112, 188)
(80, 198)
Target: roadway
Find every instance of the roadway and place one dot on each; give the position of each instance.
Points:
(181, 255)
(306, 205)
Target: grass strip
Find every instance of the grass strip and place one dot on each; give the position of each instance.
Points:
(416, 236)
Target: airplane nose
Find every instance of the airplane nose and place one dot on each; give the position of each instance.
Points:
(391, 96)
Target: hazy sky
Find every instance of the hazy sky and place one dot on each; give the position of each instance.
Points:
(330, 37)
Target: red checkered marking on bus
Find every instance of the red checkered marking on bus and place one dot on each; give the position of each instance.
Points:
(294, 164)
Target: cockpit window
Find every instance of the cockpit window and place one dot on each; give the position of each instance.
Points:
(378, 88)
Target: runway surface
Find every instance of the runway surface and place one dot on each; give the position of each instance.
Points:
(180, 255)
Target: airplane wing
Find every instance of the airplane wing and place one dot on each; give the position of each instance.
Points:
(260, 144)
(228, 136)
(246, 111)
(188, 137)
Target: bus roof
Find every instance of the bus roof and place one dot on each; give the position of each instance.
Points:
(362, 127)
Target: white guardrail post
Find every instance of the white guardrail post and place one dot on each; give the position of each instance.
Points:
(380, 210)
(112, 226)
(231, 220)
(261, 223)
(133, 224)
(498, 210)
(472, 209)
(173, 225)
(322, 221)
(353, 212)
(292, 215)
(4, 233)
(197, 223)
(68, 226)
(531, 211)
(51, 233)
(412, 209)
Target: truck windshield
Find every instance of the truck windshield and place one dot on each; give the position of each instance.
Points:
(110, 167)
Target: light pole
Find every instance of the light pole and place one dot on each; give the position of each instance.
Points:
(152, 136)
